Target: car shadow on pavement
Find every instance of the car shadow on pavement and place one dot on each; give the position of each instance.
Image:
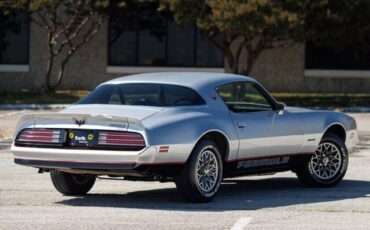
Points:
(233, 195)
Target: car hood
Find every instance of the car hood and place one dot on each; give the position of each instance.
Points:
(137, 112)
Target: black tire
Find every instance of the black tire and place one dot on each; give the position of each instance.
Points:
(308, 177)
(72, 184)
(187, 182)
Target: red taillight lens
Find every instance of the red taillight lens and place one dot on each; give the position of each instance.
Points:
(121, 139)
(51, 136)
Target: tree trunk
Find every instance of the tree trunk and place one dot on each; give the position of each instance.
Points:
(60, 73)
(47, 87)
(231, 65)
(251, 58)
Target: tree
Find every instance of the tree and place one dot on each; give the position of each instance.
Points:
(255, 25)
(337, 24)
(249, 26)
(68, 25)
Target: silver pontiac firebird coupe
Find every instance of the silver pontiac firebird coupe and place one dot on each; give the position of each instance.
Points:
(190, 128)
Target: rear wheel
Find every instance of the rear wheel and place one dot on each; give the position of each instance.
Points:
(72, 184)
(328, 165)
(201, 177)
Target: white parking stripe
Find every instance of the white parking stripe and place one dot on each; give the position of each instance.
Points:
(241, 223)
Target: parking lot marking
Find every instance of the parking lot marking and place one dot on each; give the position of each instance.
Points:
(241, 223)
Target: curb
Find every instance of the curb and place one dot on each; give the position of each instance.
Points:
(33, 106)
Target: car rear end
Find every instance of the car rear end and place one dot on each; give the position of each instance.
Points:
(81, 142)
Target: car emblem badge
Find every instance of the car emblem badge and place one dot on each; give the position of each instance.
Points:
(79, 122)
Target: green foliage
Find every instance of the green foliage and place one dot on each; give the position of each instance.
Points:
(70, 24)
(272, 19)
(27, 97)
(255, 25)
(344, 21)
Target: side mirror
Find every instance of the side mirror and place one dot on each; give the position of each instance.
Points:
(280, 108)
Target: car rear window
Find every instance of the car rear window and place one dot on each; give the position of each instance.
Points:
(143, 94)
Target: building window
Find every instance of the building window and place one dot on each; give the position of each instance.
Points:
(178, 47)
(338, 56)
(14, 39)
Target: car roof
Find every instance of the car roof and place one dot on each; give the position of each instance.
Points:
(194, 80)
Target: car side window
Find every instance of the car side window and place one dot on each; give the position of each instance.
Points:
(180, 96)
(243, 97)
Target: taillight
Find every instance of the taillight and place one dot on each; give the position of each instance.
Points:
(41, 136)
(121, 139)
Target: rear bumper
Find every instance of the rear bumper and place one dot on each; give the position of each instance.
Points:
(124, 169)
(146, 155)
(74, 165)
(135, 163)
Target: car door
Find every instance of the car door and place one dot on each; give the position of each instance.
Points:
(263, 130)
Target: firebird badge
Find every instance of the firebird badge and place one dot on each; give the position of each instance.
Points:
(79, 122)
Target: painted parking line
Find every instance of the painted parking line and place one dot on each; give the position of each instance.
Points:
(241, 223)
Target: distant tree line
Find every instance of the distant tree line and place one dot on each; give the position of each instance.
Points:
(234, 27)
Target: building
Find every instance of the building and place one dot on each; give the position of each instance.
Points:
(296, 68)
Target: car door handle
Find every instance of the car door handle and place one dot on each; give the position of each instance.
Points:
(240, 125)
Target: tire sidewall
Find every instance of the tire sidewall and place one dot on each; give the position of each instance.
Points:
(66, 184)
(343, 168)
(201, 147)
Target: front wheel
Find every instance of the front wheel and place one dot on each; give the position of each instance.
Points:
(328, 165)
(202, 174)
(72, 184)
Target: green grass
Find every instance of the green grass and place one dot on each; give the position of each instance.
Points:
(292, 99)
(26, 97)
(324, 99)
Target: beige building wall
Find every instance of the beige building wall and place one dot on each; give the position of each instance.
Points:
(279, 70)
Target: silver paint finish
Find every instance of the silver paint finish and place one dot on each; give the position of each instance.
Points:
(267, 133)
(271, 133)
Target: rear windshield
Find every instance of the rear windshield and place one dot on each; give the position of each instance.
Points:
(143, 94)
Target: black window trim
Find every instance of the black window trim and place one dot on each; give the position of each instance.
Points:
(20, 67)
(203, 101)
(270, 99)
(137, 65)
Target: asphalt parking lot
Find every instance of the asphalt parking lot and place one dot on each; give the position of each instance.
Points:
(29, 201)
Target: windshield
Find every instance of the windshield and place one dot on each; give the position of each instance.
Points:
(147, 94)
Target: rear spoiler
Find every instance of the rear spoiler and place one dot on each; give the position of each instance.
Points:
(78, 121)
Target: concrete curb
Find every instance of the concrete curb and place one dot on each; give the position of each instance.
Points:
(33, 106)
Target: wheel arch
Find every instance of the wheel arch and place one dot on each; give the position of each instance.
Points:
(221, 140)
(337, 129)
